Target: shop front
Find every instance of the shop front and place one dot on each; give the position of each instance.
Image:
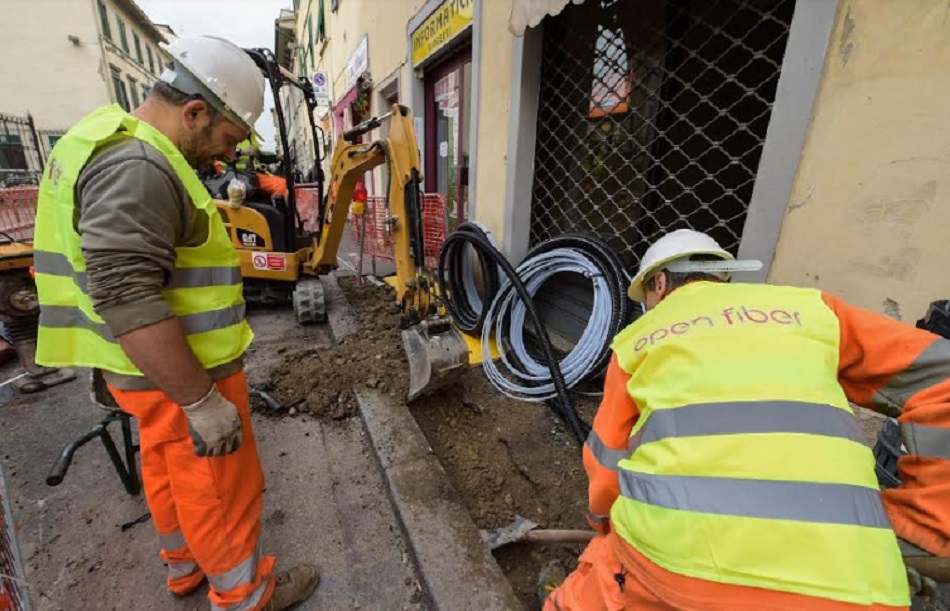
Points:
(442, 55)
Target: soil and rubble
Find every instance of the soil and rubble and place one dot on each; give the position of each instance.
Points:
(319, 381)
(504, 457)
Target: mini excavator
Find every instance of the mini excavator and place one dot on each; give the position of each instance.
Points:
(280, 260)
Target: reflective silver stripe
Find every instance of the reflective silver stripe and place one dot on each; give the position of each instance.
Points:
(172, 541)
(240, 575)
(56, 264)
(749, 417)
(607, 457)
(924, 440)
(177, 570)
(775, 500)
(248, 603)
(245, 572)
(59, 317)
(199, 277)
(52, 263)
(69, 317)
(212, 320)
(931, 367)
(596, 518)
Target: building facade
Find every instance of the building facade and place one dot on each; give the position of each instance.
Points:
(65, 58)
(805, 133)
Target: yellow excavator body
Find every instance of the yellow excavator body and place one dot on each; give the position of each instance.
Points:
(436, 351)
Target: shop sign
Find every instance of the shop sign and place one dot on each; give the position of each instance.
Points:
(447, 22)
(357, 64)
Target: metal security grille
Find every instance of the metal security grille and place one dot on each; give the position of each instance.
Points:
(652, 116)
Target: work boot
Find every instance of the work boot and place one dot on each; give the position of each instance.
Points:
(924, 570)
(293, 586)
(550, 577)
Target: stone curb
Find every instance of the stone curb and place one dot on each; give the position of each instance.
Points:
(456, 570)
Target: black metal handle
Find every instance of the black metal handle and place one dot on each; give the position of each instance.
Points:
(364, 127)
(58, 472)
(61, 466)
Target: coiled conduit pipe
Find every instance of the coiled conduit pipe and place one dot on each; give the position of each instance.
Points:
(506, 308)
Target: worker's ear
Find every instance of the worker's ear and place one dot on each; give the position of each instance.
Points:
(196, 114)
(661, 284)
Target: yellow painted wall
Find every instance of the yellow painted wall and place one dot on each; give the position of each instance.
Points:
(386, 24)
(869, 215)
(383, 21)
(493, 115)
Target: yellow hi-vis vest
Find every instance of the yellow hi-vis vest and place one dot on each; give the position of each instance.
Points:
(205, 291)
(747, 465)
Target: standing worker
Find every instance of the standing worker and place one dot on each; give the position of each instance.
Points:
(727, 470)
(138, 279)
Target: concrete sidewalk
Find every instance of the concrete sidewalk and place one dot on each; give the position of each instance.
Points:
(325, 502)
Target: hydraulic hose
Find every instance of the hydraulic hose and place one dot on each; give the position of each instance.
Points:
(473, 235)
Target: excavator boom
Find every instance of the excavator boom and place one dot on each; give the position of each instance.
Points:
(436, 351)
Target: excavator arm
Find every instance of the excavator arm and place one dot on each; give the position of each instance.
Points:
(436, 351)
(400, 152)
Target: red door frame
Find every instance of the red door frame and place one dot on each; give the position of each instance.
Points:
(456, 61)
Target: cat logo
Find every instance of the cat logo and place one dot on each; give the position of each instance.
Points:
(249, 239)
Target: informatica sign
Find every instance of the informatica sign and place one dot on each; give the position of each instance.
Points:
(447, 22)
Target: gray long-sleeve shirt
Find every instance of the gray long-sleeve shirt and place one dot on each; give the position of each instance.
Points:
(132, 212)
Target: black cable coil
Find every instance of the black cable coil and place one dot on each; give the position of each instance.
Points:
(507, 302)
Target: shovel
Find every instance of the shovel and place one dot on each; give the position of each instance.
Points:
(522, 530)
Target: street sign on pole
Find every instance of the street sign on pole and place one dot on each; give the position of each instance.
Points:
(321, 87)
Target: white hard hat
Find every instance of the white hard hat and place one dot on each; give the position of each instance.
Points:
(219, 71)
(673, 251)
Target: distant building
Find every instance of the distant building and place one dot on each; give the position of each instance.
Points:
(64, 59)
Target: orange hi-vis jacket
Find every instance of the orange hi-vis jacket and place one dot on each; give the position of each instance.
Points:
(724, 449)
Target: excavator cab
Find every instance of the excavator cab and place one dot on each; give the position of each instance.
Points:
(266, 227)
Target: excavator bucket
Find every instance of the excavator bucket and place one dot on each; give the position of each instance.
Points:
(437, 355)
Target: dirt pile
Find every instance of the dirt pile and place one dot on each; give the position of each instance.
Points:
(319, 381)
(506, 457)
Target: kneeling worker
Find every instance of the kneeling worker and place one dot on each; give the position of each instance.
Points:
(138, 279)
(727, 470)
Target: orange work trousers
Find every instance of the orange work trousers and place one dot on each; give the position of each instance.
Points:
(207, 510)
(613, 576)
(272, 184)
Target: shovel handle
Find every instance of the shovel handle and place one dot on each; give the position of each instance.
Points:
(558, 536)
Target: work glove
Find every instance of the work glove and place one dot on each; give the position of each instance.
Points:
(214, 425)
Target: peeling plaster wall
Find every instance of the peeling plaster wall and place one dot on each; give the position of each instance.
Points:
(869, 215)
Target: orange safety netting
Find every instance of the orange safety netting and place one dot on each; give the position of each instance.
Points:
(18, 212)
(378, 242)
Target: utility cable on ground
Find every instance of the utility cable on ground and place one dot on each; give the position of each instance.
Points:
(506, 308)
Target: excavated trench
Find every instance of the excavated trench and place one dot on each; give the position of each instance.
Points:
(504, 457)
